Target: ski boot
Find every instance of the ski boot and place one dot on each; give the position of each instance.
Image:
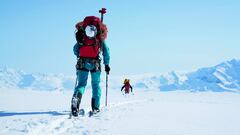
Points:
(93, 104)
(95, 109)
(76, 100)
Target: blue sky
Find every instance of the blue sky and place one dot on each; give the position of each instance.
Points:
(147, 36)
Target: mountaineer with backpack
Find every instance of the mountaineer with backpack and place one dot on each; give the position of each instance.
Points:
(127, 86)
(91, 34)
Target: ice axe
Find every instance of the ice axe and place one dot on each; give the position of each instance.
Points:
(102, 11)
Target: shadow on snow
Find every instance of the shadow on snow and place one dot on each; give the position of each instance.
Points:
(53, 113)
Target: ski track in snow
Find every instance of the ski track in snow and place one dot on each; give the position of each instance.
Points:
(61, 125)
(51, 127)
(146, 112)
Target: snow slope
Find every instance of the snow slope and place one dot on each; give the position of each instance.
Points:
(39, 104)
(222, 77)
(14, 79)
(146, 112)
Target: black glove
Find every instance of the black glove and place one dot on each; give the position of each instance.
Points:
(107, 69)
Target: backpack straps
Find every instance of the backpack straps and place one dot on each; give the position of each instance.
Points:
(82, 64)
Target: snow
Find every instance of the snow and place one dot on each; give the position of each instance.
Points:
(201, 102)
(222, 77)
(30, 112)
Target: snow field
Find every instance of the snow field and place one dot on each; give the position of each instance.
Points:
(146, 112)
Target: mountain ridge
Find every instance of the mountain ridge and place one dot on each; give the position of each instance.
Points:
(222, 77)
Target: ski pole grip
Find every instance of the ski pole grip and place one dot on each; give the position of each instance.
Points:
(102, 11)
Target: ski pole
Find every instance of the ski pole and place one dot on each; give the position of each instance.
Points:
(106, 88)
(102, 11)
(76, 81)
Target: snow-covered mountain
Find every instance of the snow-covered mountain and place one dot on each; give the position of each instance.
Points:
(10, 78)
(222, 77)
(31, 112)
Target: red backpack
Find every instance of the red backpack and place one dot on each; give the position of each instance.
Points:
(90, 47)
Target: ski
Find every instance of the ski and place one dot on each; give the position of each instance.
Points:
(92, 113)
(81, 113)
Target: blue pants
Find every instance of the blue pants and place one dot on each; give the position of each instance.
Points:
(82, 77)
